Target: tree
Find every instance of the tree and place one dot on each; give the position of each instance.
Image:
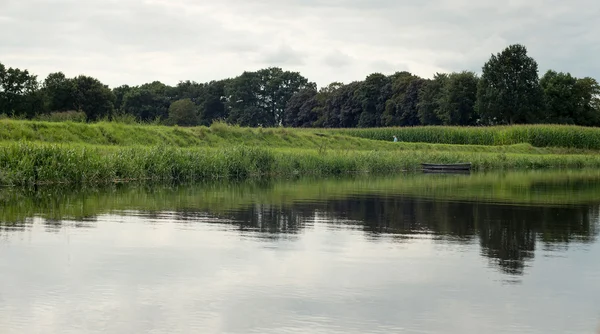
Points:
(260, 98)
(93, 98)
(372, 95)
(19, 92)
(214, 102)
(299, 109)
(324, 111)
(569, 100)
(148, 102)
(587, 91)
(183, 112)
(60, 92)
(120, 93)
(509, 90)
(430, 95)
(401, 108)
(457, 100)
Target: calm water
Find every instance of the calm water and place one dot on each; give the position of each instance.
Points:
(495, 253)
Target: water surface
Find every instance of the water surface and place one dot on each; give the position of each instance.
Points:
(485, 253)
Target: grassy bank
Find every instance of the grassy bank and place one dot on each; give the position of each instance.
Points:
(55, 152)
(478, 138)
(37, 163)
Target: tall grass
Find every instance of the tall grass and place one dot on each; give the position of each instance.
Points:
(552, 138)
(36, 163)
(536, 135)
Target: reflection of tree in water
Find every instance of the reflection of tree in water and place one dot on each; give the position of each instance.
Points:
(507, 234)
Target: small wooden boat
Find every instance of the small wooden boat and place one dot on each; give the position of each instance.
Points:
(447, 167)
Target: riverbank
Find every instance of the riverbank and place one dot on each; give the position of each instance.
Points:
(44, 152)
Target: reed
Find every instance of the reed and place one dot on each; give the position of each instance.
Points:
(27, 163)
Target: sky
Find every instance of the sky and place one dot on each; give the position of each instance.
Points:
(137, 41)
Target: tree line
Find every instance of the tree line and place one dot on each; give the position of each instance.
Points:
(508, 91)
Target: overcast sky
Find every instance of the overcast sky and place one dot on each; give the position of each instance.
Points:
(137, 41)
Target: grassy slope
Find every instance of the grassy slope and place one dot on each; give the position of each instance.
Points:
(115, 134)
(45, 152)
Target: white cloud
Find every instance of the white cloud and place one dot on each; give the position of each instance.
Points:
(138, 41)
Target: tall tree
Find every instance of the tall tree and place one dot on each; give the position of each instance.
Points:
(18, 92)
(149, 101)
(60, 92)
(93, 97)
(299, 110)
(120, 93)
(401, 108)
(430, 98)
(509, 90)
(457, 103)
(324, 111)
(213, 107)
(373, 94)
(260, 97)
(587, 91)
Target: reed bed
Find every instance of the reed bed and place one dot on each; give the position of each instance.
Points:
(40, 163)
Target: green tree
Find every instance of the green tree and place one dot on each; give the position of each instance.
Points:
(569, 100)
(260, 98)
(183, 112)
(213, 107)
(401, 109)
(373, 94)
(457, 100)
(509, 90)
(60, 92)
(148, 102)
(93, 97)
(324, 111)
(19, 92)
(587, 91)
(428, 108)
(120, 93)
(299, 110)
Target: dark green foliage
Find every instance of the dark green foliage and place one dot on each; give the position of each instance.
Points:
(430, 98)
(93, 98)
(148, 102)
(372, 95)
(300, 109)
(509, 91)
(259, 98)
(19, 93)
(457, 100)
(60, 92)
(183, 112)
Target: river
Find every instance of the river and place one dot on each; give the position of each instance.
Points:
(513, 252)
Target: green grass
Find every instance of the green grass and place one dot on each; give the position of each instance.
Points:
(37, 163)
(35, 152)
(515, 139)
(537, 135)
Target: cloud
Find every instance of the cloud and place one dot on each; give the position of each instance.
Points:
(282, 56)
(137, 41)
